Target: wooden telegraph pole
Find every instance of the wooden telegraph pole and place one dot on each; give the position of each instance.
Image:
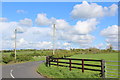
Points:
(15, 44)
(53, 39)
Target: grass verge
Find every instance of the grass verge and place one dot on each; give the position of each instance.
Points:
(62, 72)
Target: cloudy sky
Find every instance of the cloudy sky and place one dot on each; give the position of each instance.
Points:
(78, 25)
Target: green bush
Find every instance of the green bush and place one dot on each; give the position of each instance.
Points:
(63, 54)
(19, 58)
(12, 54)
(23, 58)
(7, 59)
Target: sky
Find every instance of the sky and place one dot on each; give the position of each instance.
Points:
(78, 25)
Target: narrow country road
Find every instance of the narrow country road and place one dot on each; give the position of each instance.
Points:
(23, 70)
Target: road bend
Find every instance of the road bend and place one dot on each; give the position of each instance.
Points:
(23, 70)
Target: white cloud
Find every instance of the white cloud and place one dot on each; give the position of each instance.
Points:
(92, 10)
(6, 27)
(100, 46)
(62, 24)
(81, 40)
(66, 44)
(78, 33)
(85, 27)
(20, 11)
(42, 19)
(21, 43)
(111, 35)
(36, 34)
(25, 22)
(112, 10)
(12, 37)
(44, 45)
(7, 44)
(24, 39)
(20, 30)
(111, 31)
(2, 19)
(40, 35)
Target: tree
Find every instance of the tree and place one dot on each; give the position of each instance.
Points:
(110, 48)
(93, 50)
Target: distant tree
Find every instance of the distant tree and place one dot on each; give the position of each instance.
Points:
(93, 50)
(110, 48)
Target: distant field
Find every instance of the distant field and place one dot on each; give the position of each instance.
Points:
(26, 52)
(34, 58)
(0, 58)
(19, 52)
(106, 57)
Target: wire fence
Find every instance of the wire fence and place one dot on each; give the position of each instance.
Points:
(112, 70)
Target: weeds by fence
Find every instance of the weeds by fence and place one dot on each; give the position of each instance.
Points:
(50, 59)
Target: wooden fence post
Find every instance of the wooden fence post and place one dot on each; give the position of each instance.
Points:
(70, 64)
(47, 61)
(82, 65)
(57, 62)
(103, 68)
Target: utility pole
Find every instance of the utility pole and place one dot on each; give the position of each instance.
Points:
(1, 48)
(15, 44)
(70, 47)
(53, 39)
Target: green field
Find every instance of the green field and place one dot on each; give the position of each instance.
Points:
(18, 52)
(23, 53)
(28, 55)
(106, 57)
(60, 72)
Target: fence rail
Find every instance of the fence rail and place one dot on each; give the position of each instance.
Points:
(112, 69)
(50, 59)
(112, 61)
(112, 65)
(111, 72)
(77, 63)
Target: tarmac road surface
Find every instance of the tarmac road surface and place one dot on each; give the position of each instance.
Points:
(23, 70)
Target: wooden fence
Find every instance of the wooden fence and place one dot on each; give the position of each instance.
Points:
(49, 59)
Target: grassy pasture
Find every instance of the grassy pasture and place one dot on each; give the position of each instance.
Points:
(106, 57)
(59, 72)
(18, 52)
(23, 53)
